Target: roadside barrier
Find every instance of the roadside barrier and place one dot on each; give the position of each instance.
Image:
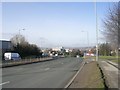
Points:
(10, 63)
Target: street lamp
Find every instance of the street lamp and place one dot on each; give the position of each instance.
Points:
(20, 30)
(96, 30)
(19, 35)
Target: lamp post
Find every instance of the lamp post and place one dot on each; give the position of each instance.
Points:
(96, 30)
(19, 35)
(20, 30)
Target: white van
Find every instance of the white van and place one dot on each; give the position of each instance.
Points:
(11, 56)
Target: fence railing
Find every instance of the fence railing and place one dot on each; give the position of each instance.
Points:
(6, 63)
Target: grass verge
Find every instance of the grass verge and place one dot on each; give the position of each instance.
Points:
(111, 58)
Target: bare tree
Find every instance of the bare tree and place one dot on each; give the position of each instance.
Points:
(111, 27)
(18, 39)
(21, 46)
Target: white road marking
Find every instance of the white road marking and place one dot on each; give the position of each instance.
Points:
(5, 83)
(46, 69)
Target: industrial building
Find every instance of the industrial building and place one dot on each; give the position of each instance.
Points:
(4, 47)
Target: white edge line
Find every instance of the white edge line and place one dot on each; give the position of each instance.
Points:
(5, 83)
(74, 76)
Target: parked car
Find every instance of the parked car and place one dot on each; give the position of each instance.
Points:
(11, 56)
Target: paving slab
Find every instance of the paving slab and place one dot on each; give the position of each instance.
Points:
(111, 74)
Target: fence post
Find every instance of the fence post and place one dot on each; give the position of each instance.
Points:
(30, 60)
(37, 59)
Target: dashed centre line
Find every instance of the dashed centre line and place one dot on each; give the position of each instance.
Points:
(46, 69)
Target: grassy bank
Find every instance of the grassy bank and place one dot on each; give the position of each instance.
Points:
(107, 57)
(111, 58)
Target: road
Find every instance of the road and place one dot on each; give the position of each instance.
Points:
(49, 74)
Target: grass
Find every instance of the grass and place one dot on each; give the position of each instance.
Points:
(116, 61)
(107, 57)
(111, 58)
(95, 78)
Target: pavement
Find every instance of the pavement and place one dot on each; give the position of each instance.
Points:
(89, 77)
(49, 74)
(114, 64)
(111, 73)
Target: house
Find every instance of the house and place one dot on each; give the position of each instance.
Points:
(61, 49)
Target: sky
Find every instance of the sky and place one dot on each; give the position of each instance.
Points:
(54, 24)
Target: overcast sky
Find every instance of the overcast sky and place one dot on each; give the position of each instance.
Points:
(50, 24)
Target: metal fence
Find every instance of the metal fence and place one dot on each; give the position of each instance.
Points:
(6, 63)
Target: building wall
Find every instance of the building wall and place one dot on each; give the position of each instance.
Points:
(58, 49)
(5, 46)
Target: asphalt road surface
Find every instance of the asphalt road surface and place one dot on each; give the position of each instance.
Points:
(49, 74)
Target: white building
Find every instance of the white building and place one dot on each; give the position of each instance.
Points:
(58, 49)
(68, 50)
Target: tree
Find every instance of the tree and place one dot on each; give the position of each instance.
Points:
(21, 46)
(104, 49)
(18, 39)
(75, 52)
(112, 27)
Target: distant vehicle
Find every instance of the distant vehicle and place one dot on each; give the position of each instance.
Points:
(89, 54)
(92, 54)
(51, 54)
(77, 56)
(11, 56)
(56, 55)
(45, 54)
